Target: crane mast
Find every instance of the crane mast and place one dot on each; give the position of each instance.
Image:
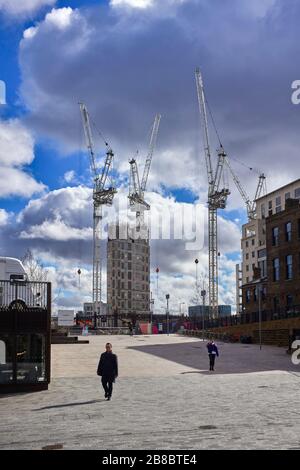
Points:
(101, 196)
(137, 189)
(216, 198)
(250, 205)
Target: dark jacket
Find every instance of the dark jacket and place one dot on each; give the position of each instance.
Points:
(108, 366)
(212, 349)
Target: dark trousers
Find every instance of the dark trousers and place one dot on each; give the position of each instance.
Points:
(107, 384)
(212, 358)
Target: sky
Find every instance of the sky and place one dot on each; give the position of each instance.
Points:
(128, 60)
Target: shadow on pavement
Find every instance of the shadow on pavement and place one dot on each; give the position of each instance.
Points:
(69, 404)
(234, 358)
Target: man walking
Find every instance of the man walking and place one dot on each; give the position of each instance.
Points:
(108, 370)
(212, 353)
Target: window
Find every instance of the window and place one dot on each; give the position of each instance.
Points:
(248, 295)
(276, 266)
(297, 193)
(247, 244)
(270, 204)
(263, 268)
(278, 204)
(253, 241)
(253, 254)
(247, 267)
(31, 359)
(287, 196)
(276, 304)
(289, 266)
(255, 294)
(6, 358)
(289, 301)
(288, 231)
(247, 279)
(247, 255)
(263, 211)
(275, 236)
(262, 253)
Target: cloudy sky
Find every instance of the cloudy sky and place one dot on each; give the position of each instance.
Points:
(128, 60)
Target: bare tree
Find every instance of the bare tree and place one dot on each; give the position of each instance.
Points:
(34, 268)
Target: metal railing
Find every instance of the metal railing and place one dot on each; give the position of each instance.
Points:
(22, 295)
(244, 318)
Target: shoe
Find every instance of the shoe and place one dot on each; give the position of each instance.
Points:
(106, 395)
(108, 398)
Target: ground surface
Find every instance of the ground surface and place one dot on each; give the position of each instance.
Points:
(164, 398)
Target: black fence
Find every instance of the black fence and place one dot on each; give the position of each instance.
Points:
(24, 295)
(196, 323)
(25, 328)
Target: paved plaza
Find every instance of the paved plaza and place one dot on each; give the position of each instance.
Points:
(164, 398)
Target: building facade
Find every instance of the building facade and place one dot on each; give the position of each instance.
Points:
(283, 258)
(128, 273)
(88, 309)
(279, 285)
(253, 242)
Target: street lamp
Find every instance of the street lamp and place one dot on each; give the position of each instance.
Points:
(259, 312)
(203, 294)
(151, 309)
(167, 297)
(197, 286)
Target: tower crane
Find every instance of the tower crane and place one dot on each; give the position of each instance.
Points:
(217, 197)
(102, 195)
(137, 190)
(250, 205)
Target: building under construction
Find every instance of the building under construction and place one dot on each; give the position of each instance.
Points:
(128, 273)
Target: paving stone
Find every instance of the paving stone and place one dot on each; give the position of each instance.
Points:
(164, 398)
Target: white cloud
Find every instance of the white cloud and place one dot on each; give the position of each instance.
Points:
(23, 7)
(16, 151)
(143, 4)
(15, 182)
(30, 32)
(132, 3)
(56, 230)
(57, 19)
(60, 18)
(16, 144)
(3, 217)
(69, 176)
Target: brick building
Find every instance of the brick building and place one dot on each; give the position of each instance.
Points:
(128, 274)
(283, 258)
(279, 284)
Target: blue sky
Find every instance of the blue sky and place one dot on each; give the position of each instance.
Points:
(128, 60)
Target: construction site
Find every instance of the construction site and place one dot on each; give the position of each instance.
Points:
(149, 227)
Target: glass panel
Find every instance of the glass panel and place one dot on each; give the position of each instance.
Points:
(31, 358)
(6, 359)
